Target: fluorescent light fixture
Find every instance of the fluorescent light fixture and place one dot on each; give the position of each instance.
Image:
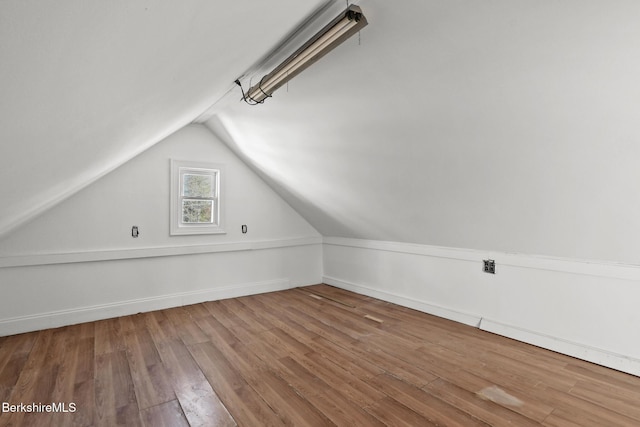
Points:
(341, 28)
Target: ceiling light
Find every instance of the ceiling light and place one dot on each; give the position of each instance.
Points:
(341, 28)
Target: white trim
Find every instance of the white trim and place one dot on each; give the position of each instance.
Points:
(151, 252)
(436, 310)
(581, 351)
(612, 282)
(176, 227)
(565, 265)
(53, 319)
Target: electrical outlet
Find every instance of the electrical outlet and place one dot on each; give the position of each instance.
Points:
(489, 266)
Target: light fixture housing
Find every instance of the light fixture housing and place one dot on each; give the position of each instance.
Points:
(341, 28)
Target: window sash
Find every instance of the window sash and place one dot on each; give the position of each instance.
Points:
(196, 198)
(195, 215)
(206, 190)
(198, 211)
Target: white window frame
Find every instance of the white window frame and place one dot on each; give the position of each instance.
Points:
(179, 168)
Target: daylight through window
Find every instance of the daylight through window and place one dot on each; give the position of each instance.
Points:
(196, 198)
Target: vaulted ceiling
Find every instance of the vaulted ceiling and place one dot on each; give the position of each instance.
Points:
(497, 125)
(87, 84)
(494, 125)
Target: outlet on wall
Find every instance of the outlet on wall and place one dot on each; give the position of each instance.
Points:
(489, 266)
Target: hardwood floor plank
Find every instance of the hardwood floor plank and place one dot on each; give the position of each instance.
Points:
(514, 400)
(357, 366)
(149, 377)
(292, 408)
(330, 399)
(74, 382)
(369, 351)
(529, 374)
(431, 360)
(37, 380)
(282, 344)
(185, 325)
(259, 370)
(592, 372)
(338, 294)
(394, 364)
(167, 414)
(275, 318)
(306, 356)
(620, 400)
(196, 311)
(316, 325)
(483, 409)
(249, 408)
(116, 403)
(252, 321)
(555, 420)
(335, 315)
(427, 405)
(584, 413)
(69, 349)
(232, 321)
(391, 413)
(200, 404)
(14, 353)
(108, 336)
(323, 340)
(327, 368)
(84, 399)
(162, 330)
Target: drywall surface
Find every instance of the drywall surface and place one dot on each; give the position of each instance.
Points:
(101, 217)
(586, 310)
(508, 126)
(44, 296)
(80, 260)
(87, 85)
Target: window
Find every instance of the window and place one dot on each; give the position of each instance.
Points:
(196, 198)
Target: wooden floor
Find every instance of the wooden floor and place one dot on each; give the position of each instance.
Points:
(309, 356)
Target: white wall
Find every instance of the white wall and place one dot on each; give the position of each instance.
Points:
(509, 126)
(584, 309)
(505, 127)
(90, 84)
(78, 261)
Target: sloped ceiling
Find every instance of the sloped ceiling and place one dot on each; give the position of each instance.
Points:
(86, 85)
(494, 125)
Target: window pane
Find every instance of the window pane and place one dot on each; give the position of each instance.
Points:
(197, 212)
(194, 185)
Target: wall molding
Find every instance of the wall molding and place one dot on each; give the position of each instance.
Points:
(581, 351)
(578, 292)
(152, 252)
(54, 319)
(565, 265)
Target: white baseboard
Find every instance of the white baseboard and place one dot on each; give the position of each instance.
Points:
(59, 318)
(580, 351)
(580, 308)
(425, 307)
